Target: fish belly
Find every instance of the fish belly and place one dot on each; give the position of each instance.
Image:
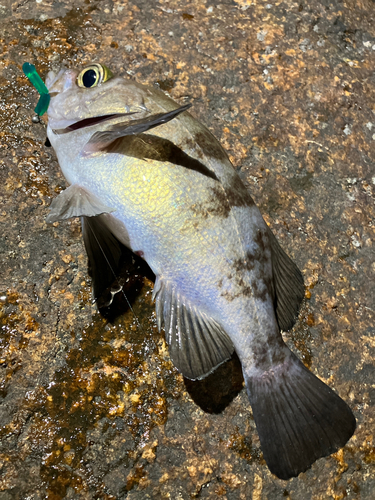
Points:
(174, 220)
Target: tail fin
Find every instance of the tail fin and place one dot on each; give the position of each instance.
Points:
(299, 418)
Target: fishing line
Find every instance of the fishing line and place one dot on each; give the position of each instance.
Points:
(212, 466)
(114, 274)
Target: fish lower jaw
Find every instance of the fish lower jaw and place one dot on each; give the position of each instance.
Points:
(55, 123)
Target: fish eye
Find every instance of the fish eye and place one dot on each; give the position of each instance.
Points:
(93, 75)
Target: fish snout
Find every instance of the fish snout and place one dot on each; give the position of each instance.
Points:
(62, 81)
(69, 79)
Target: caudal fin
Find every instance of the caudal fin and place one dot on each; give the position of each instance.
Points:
(299, 418)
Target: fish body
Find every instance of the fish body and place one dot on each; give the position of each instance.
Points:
(145, 173)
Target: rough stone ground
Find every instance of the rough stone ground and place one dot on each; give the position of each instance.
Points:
(95, 410)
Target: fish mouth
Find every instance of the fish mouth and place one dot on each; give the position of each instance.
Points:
(89, 122)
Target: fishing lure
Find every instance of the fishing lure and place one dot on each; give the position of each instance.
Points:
(44, 99)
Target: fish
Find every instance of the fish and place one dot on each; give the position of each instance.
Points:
(145, 175)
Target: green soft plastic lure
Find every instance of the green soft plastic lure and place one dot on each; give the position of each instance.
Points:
(44, 99)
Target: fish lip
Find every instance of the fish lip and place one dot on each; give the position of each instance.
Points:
(71, 126)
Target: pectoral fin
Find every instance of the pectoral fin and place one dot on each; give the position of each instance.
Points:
(288, 282)
(75, 201)
(197, 343)
(100, 140)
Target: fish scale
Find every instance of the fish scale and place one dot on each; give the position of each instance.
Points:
(146, 175)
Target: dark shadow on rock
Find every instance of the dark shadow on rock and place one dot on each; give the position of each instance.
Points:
(215, 392)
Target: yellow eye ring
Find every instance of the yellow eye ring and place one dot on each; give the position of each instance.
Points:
(93, 75)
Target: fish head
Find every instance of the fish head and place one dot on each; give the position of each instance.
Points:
(92, 92)
(90, 109)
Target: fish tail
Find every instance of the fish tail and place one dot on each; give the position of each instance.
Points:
(299, 418)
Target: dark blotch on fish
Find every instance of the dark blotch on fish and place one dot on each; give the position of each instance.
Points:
(223, 199)
(248, 264)
(261, 289)
(261, 285)
(209, 145)
(152, 147)
(233, 195)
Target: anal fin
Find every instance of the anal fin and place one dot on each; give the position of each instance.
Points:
(197, 343)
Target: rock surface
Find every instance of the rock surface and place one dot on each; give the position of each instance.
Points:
(92, 409)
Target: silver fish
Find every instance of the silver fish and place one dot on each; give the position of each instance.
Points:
(145, 174)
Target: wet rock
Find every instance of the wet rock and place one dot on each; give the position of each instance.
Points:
(92, 408)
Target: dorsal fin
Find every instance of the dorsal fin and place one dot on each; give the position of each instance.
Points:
(288, 283)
